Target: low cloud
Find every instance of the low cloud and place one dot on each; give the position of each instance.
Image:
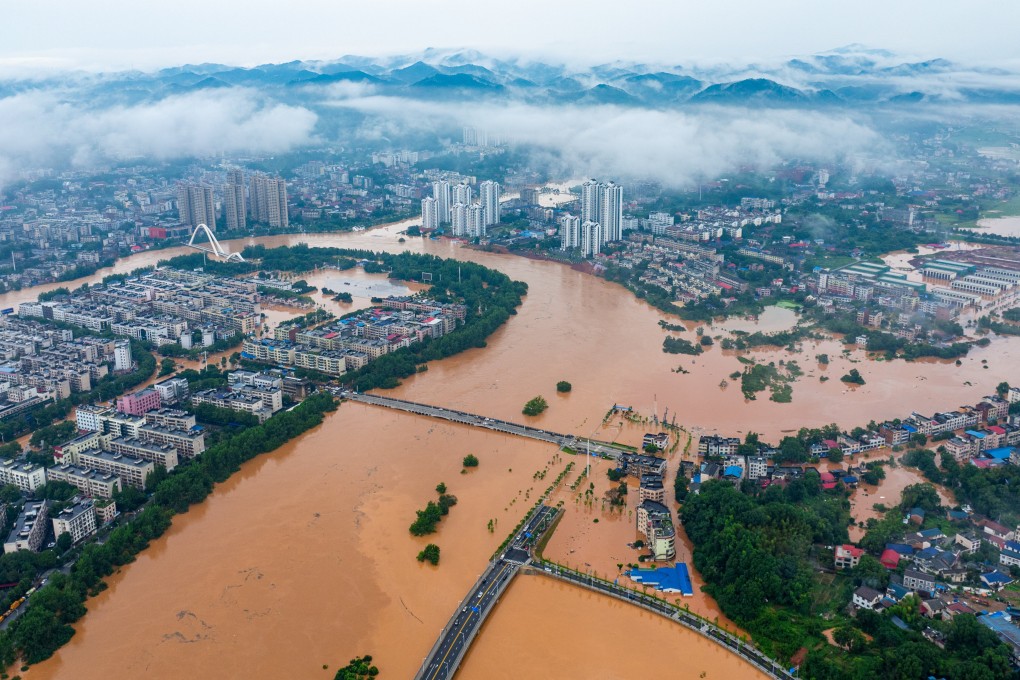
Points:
(677, 148)
(44, 129)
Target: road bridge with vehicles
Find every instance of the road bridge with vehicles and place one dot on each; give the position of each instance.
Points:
(447, 653)
(597, 448)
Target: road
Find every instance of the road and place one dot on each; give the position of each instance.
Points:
(597, 448)
(455, 639)
(732, 643)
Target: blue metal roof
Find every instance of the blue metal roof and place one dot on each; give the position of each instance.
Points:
(675, 578)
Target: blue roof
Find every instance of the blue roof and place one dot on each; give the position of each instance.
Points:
(909, 428)
(901, 548)
(957, 514)
(1002, 626)
(849, 479)
(929, 553)
(667, 579)
(917, 511)
(899, 623)
(931, 533)
(734, 471)
(898, 592)
(1000, 453)
(996, 577)
(976, 433)
(1012, 545)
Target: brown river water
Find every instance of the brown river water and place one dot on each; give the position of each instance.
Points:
(303, 558)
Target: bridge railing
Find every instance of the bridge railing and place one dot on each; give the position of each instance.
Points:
(660, 606)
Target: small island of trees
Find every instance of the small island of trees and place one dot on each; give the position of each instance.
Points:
(563, 386)
(535, 406)
(853, 377)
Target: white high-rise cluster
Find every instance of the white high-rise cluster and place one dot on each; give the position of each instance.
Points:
(451, 204)
(601, 219)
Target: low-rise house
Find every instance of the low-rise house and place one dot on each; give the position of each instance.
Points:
(918, 581)
(867, 598)
(995, 580)
(932, 608)
(847, 556)
(969, 542)
(1009, 558)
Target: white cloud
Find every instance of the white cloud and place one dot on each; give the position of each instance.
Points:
(675, 147)
(42, 129)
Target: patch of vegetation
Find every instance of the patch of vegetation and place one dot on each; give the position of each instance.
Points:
(430, 554)
(854, 377)
(358, 668)
(563, 386)
(535, 406)
(680, 346)
(470, 461)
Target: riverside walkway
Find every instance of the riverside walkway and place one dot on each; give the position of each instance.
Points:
(732, 643)
(598, 448)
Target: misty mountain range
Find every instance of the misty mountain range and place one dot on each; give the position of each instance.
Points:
(848, 76)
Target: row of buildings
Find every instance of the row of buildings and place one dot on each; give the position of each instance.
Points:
(166, 306)
(350, 343)
(265, 202)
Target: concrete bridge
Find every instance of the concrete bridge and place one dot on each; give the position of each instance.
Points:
(447, 653)
(598, 448)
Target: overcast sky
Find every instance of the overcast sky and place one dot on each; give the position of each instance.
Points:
(119, 34)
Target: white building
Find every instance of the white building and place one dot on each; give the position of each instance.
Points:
(444, 203)
(79, 520)
(591, 239)
(611, 212)
(489, 195)
(429, 213)
(122, 356)
(476, 221)
(591, 201)
(26, 476)
(570, 232)
(462, 194)
(459, 218)
(29, 529)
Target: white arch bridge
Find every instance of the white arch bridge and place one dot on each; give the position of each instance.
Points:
(213, 246)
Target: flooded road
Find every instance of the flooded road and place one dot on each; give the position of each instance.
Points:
(304, 558)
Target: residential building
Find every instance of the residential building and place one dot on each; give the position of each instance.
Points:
(235, 210)
(757, 467)
(195, 205)
(570, 232)
(443, 196)
(188, 443)
(655, 522)
(651, 488)
(611, 212)
(172, 390)
(132, 471)
(867, 598)
(26, 476)
(160, 454)
(918, 581)
(429, 213)
(847, 556)
(29, 528)
(137, 403)
(268, 198)
(90, 482)
(488, 193)
(122, 356)
(78, 520)
(591, 239)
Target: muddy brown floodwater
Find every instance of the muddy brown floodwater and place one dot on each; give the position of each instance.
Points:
(304, 558)
(548, 629)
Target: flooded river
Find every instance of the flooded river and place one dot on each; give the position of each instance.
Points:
(304, 558)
